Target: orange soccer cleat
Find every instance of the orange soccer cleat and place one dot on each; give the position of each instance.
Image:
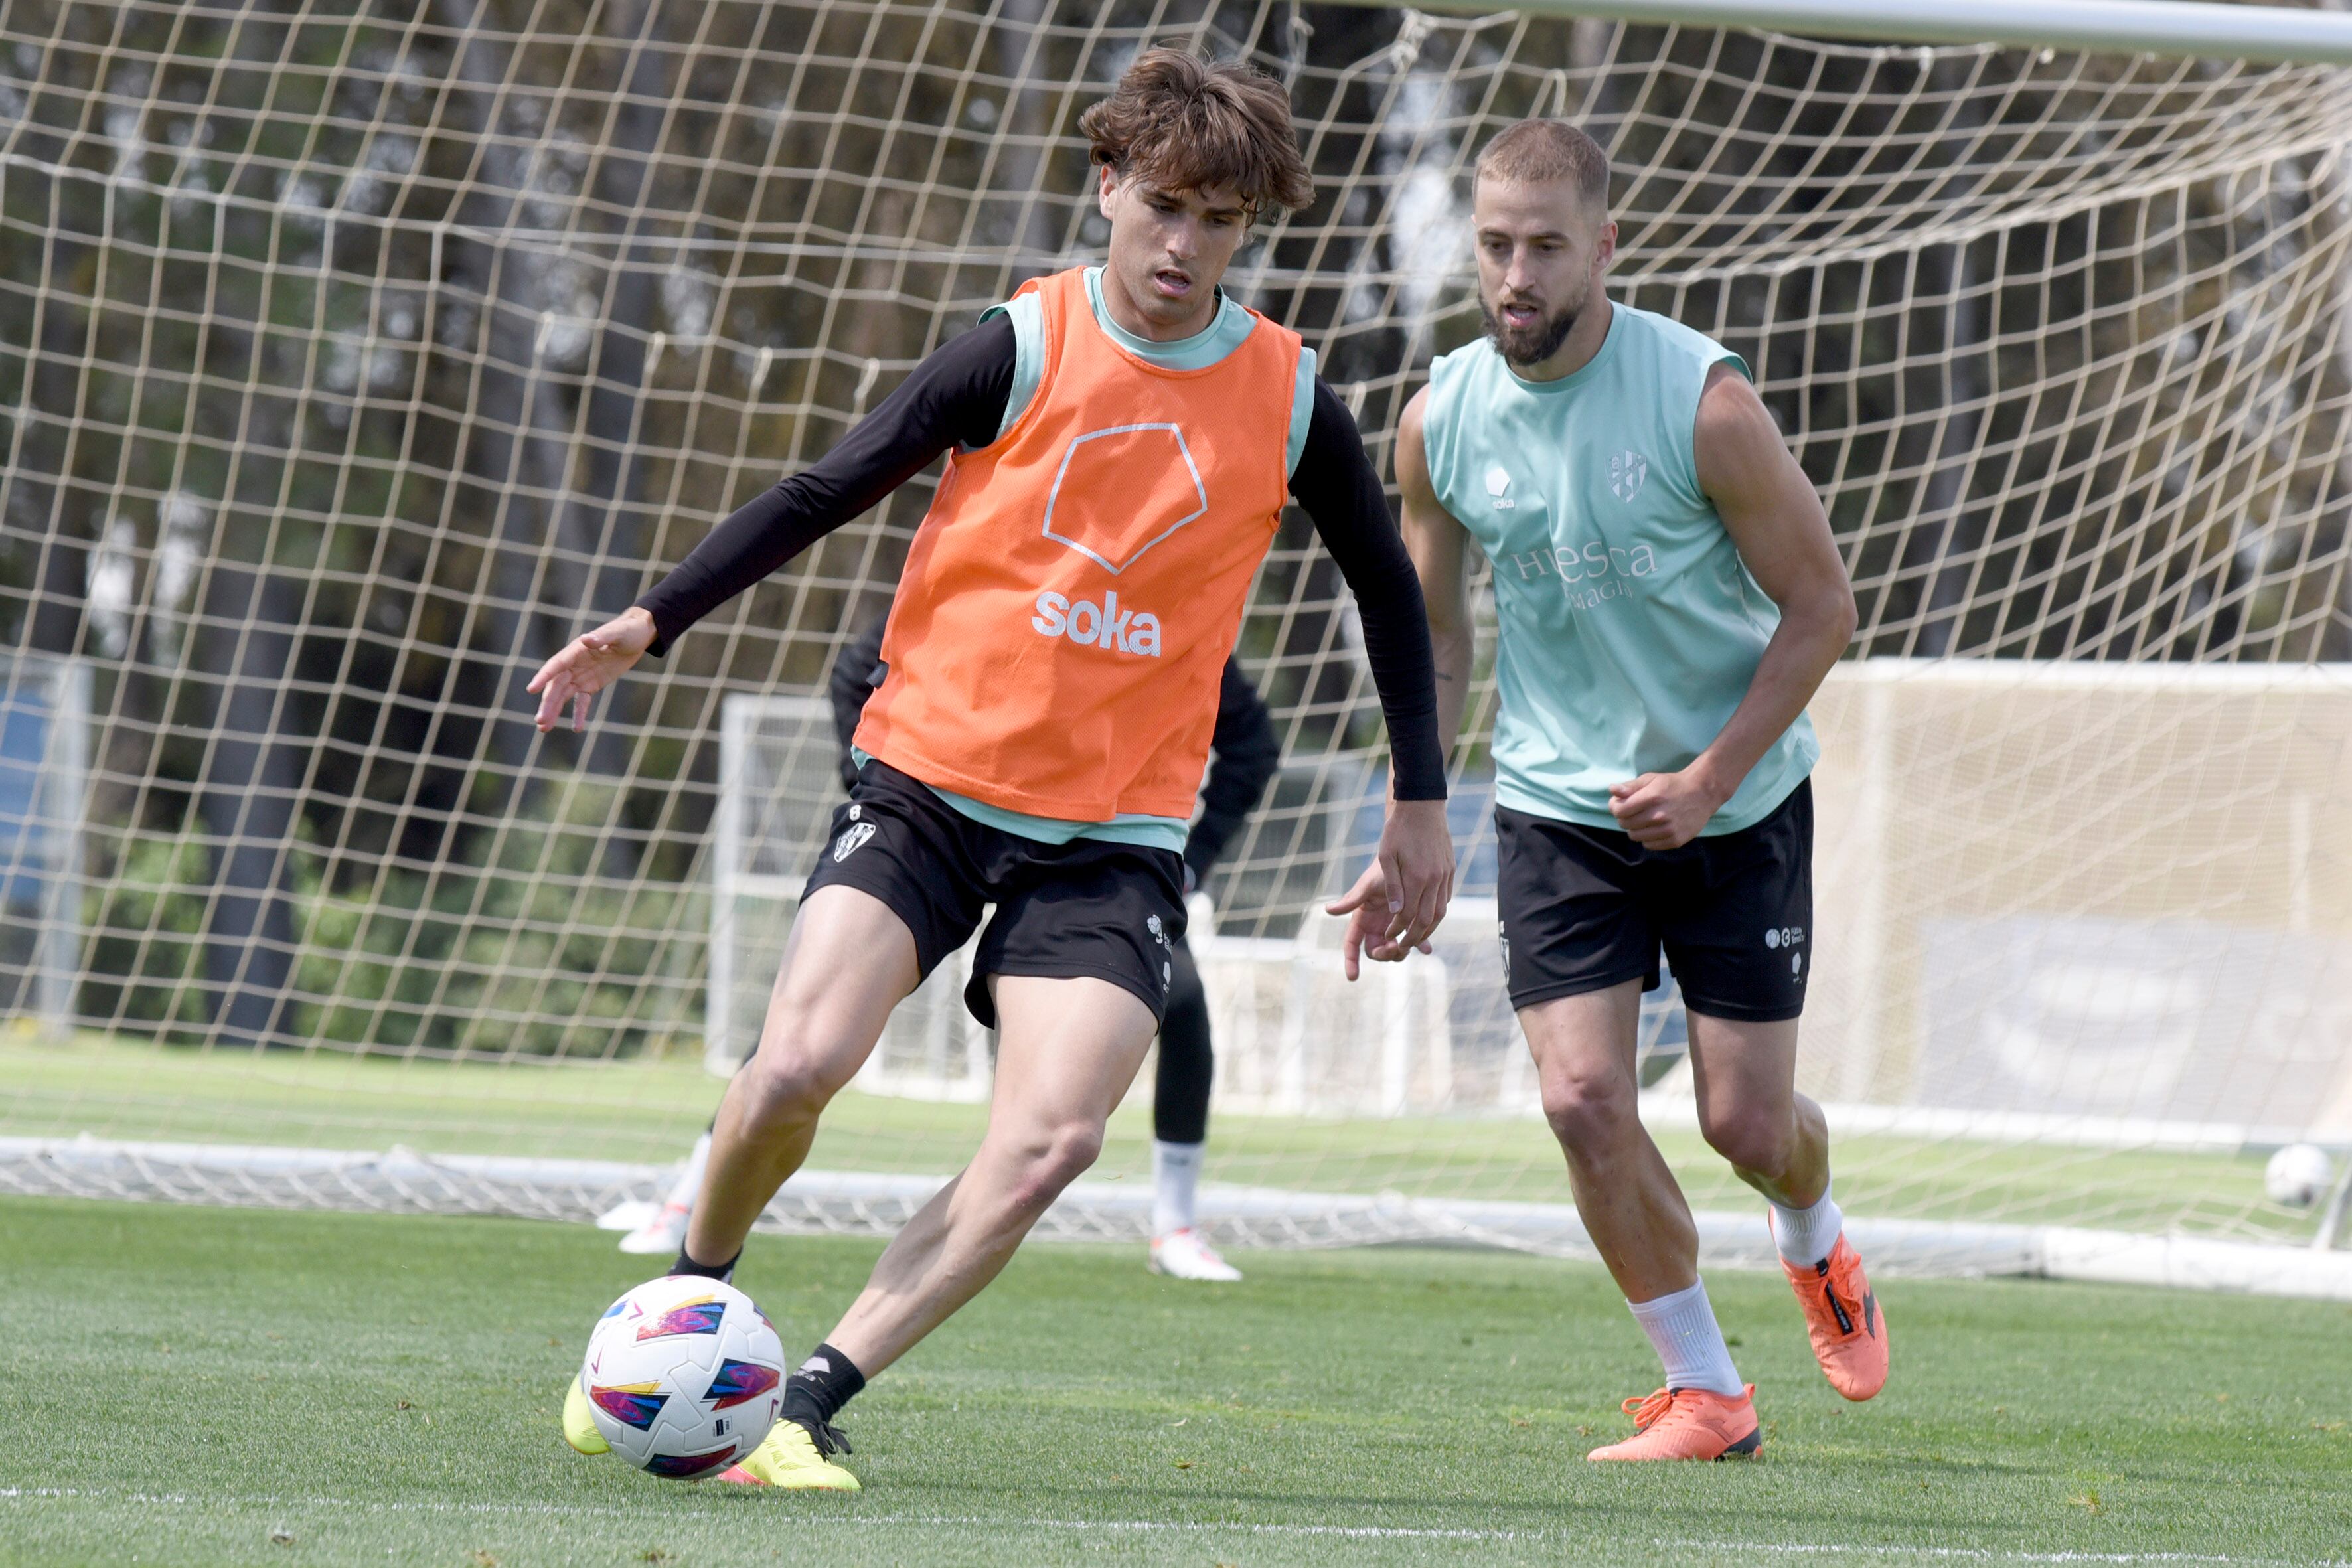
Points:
(1689, 1424)
(1842, 1315)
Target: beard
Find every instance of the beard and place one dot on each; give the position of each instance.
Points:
(1531, 344)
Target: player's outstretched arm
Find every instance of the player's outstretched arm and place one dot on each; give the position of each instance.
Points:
(1402, 896)
(1775, 518)
(956, 396)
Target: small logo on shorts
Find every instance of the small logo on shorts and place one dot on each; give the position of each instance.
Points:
(1503, 937)
(1785, 936)
(849, 843)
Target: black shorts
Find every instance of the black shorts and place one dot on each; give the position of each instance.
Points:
(1110, 911)
(1587, 908)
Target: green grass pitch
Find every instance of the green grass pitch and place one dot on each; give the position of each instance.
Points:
(194, 1385)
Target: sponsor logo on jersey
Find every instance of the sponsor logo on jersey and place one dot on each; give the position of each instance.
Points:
(1591, 576)
(1104, 626)
(1148, 467)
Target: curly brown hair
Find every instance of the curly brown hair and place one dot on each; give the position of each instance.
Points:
(1183, 123)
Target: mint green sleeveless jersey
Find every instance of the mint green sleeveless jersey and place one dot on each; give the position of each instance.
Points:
(1630, 628)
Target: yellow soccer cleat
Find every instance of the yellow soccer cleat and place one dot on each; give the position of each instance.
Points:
(792, 1458)
(579, 1424)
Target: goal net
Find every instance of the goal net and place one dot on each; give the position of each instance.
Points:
(353, 357)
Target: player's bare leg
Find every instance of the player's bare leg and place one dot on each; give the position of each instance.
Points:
(1750, 1111)
(1584, 1048)
(1778, 1143)
(848, 962)
(1068, 1052)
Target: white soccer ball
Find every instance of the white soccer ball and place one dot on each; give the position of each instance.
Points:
(684, 1376)
(2299, 1175)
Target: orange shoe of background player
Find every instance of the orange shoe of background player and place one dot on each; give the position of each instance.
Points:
(1689, 1424)
(1842, 1315)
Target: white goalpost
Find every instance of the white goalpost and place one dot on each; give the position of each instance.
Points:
(350, 362)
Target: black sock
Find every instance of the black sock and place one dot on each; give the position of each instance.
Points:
(825, 1383)
(722, 1272)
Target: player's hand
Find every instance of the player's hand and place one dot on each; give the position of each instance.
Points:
(1403, 895)
(1665, 811)
(1366, 905)
(588, 664)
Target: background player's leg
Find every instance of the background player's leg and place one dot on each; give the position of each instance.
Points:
(1179, 1126)
(664, 1230)
(1179, 1105)
(1584, 1051)
(1068, 1049)
(848, 962)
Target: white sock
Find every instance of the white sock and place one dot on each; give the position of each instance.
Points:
(1175, 1175)
(1683, 1329)
(689, 1180)
(1806, 1236)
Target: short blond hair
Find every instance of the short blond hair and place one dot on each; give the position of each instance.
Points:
(1538, 152)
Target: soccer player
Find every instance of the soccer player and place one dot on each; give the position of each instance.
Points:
(1244, 758)
(1123, 440)
(1668, 597)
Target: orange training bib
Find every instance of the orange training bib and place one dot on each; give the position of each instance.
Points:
(1068, 604)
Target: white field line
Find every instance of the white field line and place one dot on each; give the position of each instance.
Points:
(1160, 1526)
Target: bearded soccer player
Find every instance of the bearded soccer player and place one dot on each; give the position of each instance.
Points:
(1668, 597)
(1122, 441)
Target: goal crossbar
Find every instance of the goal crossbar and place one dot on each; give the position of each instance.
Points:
(2188, 30)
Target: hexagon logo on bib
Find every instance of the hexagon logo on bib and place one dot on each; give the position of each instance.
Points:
(1120, 491)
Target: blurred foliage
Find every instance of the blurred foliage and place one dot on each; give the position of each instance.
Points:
(522, 948)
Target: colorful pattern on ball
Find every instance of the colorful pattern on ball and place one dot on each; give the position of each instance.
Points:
(632, 1403)
(740, 1382)
(687, 1467)
(689, 1318)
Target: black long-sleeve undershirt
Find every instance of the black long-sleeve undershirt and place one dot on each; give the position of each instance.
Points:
(957, 396)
